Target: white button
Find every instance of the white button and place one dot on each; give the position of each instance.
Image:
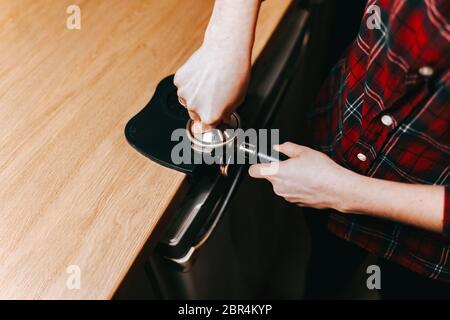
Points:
(387, 120)
(426, 71)
(362, 157)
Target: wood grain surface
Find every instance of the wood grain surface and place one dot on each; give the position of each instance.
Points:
(72, 191)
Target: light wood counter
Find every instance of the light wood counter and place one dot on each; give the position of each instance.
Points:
(72, 191)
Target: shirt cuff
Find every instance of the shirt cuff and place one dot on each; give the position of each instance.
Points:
(447, 212)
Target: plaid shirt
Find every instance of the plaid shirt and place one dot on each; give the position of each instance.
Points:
(385, 113)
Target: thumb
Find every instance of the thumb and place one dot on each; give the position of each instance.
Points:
(290, 149)
(256, 170)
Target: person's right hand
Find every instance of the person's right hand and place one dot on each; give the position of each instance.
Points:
(213, 82)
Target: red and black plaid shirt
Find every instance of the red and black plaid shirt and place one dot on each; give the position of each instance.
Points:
(385, 113)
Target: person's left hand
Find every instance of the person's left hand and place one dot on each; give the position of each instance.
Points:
(309, 178)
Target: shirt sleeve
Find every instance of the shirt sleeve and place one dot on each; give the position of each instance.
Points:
(447, 212)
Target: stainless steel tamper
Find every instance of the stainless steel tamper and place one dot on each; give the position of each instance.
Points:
(223, 136)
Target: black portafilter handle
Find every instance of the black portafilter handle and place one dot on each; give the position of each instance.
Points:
(252, 151)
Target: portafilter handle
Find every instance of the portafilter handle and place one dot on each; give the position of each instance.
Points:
(252, 151)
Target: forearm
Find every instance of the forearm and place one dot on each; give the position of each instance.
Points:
(413, 204)
(233, 24)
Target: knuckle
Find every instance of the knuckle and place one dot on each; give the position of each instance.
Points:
(180, 92)
(293, 146)
(276, 190)
(176, 80)
(190, 103)
(190, 106)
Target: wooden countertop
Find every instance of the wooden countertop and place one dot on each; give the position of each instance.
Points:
(72, 191)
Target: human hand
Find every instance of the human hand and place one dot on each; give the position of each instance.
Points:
(309, 178)
(213, 82)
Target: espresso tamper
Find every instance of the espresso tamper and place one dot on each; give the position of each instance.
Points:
(226, 135)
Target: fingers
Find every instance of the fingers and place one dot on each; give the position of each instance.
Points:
(195, 117)
(207, 121)
(295, 201)
(227, 117)
(176, 79)
(211, 121)
(199, 127)
(199, 111)
(290, 149)
(259, 171)
(180, 77)
(192, 111)
(200, 108)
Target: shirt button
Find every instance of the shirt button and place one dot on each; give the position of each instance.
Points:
(362, 157)
(387, 120)
(426, 71)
